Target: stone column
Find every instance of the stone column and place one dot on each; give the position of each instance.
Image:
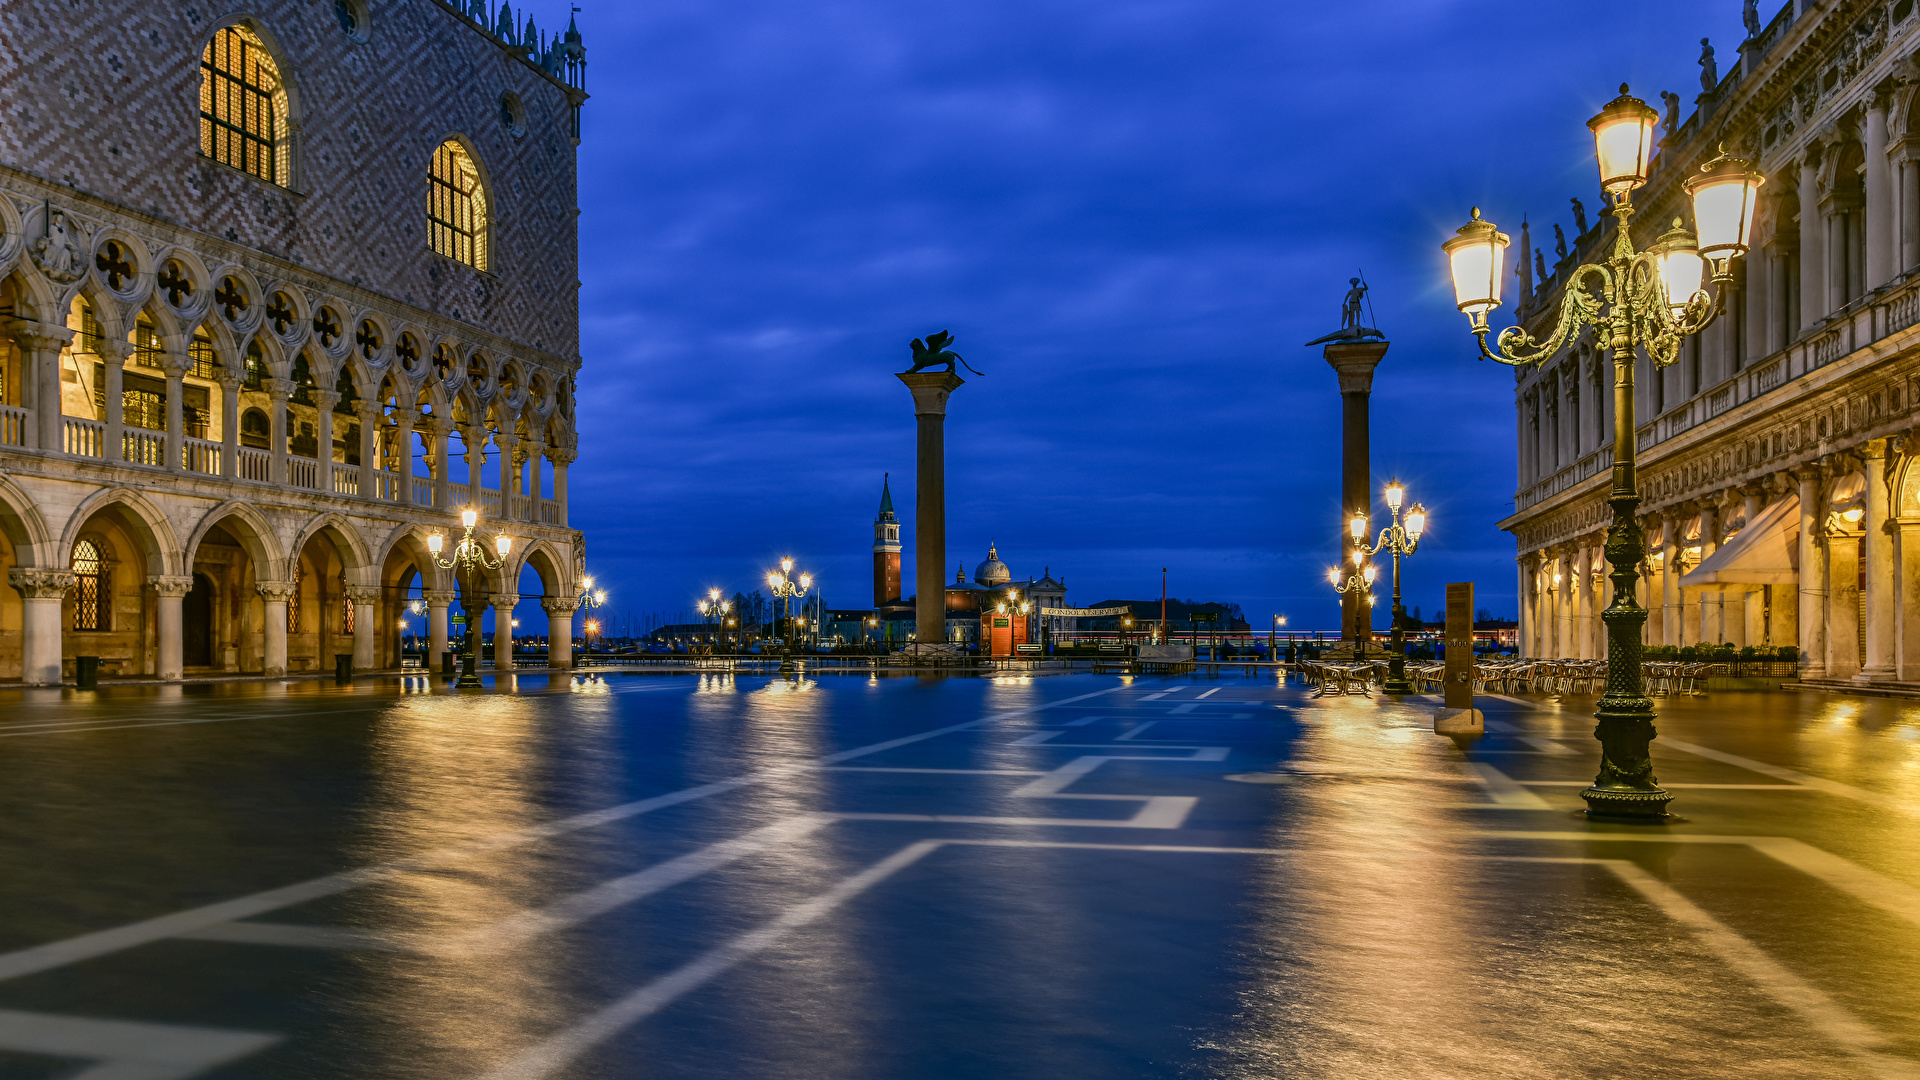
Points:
(1583, 606)
(559, 611)
(403, 421)
(1907, 607)
(324, 401)
(503, 629)
(168, 593)
(1813, 573)
(473, 441)
(274, 632)
(40, 346)
(1877, 665)
(113, 356)
(279, 390)
(1712, 600)
(1525, 575)
(1813, 242)
(1354, 362)
(40, 646)
(562, 457)
(442, 431)
(1670, 618)
(229, 426)
(509, 446)
(369, 413)
(437, 603)
(366, 615)
(1909, 196)
(1879, 184)
(930, 390)
(171, 457)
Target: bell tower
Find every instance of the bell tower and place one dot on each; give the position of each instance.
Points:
(886, 550)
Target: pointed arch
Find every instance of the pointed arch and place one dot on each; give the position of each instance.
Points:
(459, 203)
(25, 528)
(130, 508)
(355, 554)
(249, 103)
(246, 524)
(553, 563)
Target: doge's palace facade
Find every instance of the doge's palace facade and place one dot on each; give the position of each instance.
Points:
(284, 287)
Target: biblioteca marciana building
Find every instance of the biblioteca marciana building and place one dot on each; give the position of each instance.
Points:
(282, 291)
(1782, 498)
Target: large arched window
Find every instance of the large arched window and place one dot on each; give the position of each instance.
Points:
(92, 588)
(243, 106)
(457, 206)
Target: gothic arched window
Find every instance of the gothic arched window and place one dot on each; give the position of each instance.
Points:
(457, 206)
(256, 430)
(92, 588)
(243, 106)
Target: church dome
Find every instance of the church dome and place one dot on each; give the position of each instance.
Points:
(993, 571)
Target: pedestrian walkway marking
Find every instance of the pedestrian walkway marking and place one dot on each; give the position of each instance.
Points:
(1134, 731)
(1830, 787)
(127, 1050)
(1211, 692)
(1187, 708)
(1548, 746)
(1505, 793)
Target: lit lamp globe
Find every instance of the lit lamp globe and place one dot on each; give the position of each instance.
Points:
(1333, 576)
(1416, 521)
(1396, 494)
(1477, 255)
(469, 518)
(1369, 573)
(435, 542)
(503, 544)
(1358, 525)
(1724, 193)
(1623, 140)
(1682, 270)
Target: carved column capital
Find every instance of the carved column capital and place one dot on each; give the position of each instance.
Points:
(40, 337)
(36, 584)
(559, 605)
(277, 591)
(279, 390)
(168, 585)
(562, 455)
(503, 601)
(363, 594)
(326, 399)
(438, 597)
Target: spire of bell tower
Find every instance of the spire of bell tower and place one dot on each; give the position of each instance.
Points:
(886, 549)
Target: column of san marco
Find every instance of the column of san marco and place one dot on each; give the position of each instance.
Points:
(930, 390)
(1354, 351)
(1636, 301)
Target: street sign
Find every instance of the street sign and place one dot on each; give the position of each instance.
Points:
(1459, 685)
(460, 618)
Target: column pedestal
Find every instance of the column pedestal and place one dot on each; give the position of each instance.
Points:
(930, 390)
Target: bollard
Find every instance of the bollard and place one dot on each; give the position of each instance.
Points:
(86, 672)
(446, 663)
(343, 667)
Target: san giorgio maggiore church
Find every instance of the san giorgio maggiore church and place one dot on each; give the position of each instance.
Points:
(281, 293)
(1777, 457)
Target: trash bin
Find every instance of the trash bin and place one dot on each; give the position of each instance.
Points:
(343, 667)
(446, 663)
(86, 672)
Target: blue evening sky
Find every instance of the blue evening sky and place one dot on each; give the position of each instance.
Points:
(1132, 215)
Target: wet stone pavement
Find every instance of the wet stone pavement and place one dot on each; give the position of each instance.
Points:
(1079, 876)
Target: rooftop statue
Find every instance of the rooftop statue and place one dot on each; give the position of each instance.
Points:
(1750, 16)
(1672, 122)
(1579, 217)
(1559, 244)
(1540, 264)
(934, 351)
(1709, 69)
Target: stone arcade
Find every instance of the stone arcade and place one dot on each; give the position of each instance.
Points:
(252, 269)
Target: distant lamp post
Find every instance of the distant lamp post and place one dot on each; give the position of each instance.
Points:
(588, 599)
(715, 611)
(470, 556)
(1399, 539)
(788, 588)
(1273, 637)
(1637, 301)
(1359, 579)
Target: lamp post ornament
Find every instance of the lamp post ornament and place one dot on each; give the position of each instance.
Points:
(1398, 540)
(472, 557)
(785, 587)
(714, 610)
(589, 598)
(1636, 301)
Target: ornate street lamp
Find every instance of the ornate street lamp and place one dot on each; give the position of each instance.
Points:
(1360, 579)
(788, 588)
(1398, 540)
(714, 610)
(471, 557)
(1636, 301)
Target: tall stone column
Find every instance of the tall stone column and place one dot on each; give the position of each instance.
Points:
(1879, 191)
(171, 458)
(40, 349)
(40, 647)
(403, 421)
(229, 425)
(1671, 620)
(561, 457)
(930, 390)
(503, 629)
(274, 632)
(1877, 665)
(1906, 614)
(1813, 242)
(509, 445)
(1583, 608)
(1909, 197)
(366, 615)
(1813, 573)
(324, 400)
(1711, 601)
(437, 604)
(473, 442)
(1524, 592)
(113, 360)
(1353, 362)
(369, 414)
(559, 611)
(168, 593)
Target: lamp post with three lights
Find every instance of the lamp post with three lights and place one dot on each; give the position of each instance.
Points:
(1398, 539)
(470, 556)
(787, 588)
(1636, 301)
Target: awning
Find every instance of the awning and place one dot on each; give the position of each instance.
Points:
(1765, 552)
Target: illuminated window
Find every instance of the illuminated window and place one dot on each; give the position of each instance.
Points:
(92, 586)
(255, 429)
(255, 367)
(346, 607)
(206, 363)
(456, 207)
(148, 348)
(293, 602)
(243, 105)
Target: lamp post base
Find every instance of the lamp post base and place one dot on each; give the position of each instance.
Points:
(1396, 686)
(1642, 805)
(468, 679)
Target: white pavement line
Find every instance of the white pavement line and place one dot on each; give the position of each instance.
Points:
(101, 942)
(955, 772)
(1134, 731)
(120, 727)
(1826, 1015)
(1830, 787)
(17, 725)
(1156, 697)
(656, 995)
(300, 936)
(1211, 692)
(1548, 746)
(1083, 721)
(1677, 787)
(1187, 708)
(127, 1050)
(1038, 737)
(1896, 898)
(1502, 789)
(1159, 812)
